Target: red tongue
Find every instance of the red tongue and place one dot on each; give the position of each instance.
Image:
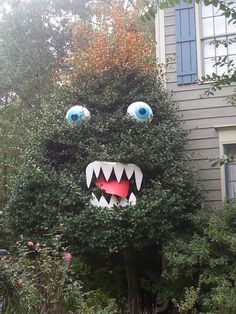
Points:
(114, 187)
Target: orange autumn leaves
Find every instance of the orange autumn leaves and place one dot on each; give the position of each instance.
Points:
(114, 43)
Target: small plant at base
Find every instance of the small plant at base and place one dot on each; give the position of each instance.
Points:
(37, 275)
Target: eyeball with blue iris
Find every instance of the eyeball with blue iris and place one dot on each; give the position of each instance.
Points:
(140, 111)
(75, 115)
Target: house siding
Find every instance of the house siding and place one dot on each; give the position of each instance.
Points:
(200, 115)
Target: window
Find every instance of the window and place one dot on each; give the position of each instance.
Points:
(227, 146)
(215, 26)
(197, 28)
(230, 171)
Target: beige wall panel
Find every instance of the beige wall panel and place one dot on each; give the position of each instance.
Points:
(187, 88)
(203, 153)
(212, 206)
(169, 20)
(209, 174)
(169, 12)
(210, 122)
(199, 104)
(171, 77)
(213, 196)
(201, 164)
(203, 133)
(211, 185)
(179, 89)
(196, 92)
(170, 30)
(170, 49)
(170, 71)
(170, 39)
(204, 113)
(169, 60)
(203, 143)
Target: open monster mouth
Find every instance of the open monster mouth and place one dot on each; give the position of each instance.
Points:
(113, 183)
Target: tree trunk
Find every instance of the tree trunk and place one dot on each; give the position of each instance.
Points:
(4, 176)
(165, 304)
(132, 279)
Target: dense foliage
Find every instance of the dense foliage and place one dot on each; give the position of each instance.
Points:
(11, 142)
(205, 265)
(51, 186)
(33, 37)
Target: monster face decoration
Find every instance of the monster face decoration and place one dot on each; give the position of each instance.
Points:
(116, 182)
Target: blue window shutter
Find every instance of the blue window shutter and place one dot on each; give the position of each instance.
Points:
(186, 56)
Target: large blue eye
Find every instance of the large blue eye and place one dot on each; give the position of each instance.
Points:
(140, 111)
(75, 115)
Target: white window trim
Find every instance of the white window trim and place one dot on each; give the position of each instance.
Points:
(160, 36)
(227, 135)
(198, 40)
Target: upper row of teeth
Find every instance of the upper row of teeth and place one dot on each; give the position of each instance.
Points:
(119, 168)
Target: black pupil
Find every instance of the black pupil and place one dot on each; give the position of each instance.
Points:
(142, 110)
(74, 117)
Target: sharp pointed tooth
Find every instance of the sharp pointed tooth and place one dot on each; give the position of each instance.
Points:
(89, 174)
(132, 199)
(123, 202)
(94, 200)
(118, 169)
(129, 170)
(138, 177)
(107, 169)
(96, 168)
(103, 202)
(113, 201)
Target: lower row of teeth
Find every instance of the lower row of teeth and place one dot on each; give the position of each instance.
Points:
(114, 201)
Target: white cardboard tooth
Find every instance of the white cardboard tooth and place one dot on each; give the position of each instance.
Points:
(129, 170)
(94, 196)
(113, 201)
(94, 200)
(103, 202)
(89, 174)
(123, 202)
(132, 199)
(107, 169)
(118, 169)
(138, 177)
(96, 168)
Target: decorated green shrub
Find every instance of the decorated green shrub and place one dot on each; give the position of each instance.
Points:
(204, 265)
(113, 172)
